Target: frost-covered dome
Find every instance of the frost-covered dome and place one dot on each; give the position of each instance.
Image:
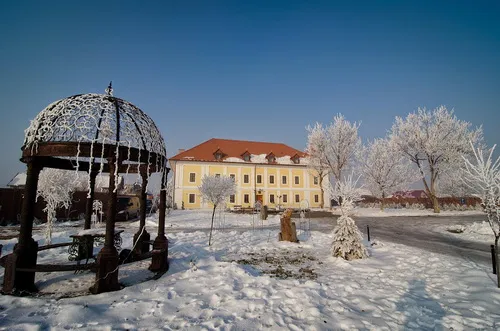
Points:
(95, 126)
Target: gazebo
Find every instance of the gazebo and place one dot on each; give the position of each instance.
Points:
(95, 133)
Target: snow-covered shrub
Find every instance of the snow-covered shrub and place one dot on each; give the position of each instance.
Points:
(347, 239)
(417, 206)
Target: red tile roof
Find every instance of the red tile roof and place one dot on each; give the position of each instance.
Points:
(235, 148)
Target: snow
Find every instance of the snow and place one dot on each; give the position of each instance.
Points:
(18, 180)
(261, 158)
(248, 280)
(478, 231)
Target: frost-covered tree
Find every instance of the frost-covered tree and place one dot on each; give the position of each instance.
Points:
(433, 140)
(451, 182)
(335, 145)
(483, 176)
(56, 187)
(384, 169)
(347, 239)
(316, 145)
(215, 190)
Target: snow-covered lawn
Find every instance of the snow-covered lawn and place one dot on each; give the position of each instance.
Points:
(248, 280)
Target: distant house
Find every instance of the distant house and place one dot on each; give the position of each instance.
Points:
(415, 194)
(18, 181)
(273, 173)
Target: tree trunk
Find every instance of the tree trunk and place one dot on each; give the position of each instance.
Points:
(288, 230)
(497, 260)
(435, 204)
(431, 194)
(211, 227)
(382, 202)
(322, 193)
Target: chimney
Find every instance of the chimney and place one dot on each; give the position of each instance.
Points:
(181, 150)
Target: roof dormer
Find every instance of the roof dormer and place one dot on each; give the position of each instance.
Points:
(271, 158)
(295, 159)
(246, 156)
(219, 154)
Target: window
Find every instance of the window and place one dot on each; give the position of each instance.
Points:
(218, 156)
(285, 198)
(233, 177)
(246, 157)
(217, 175)
(271, 179)
(297, 198)
(192, 177)
(316, 198)
(246, 198)
(271, 198)
(231, 198)
(259, 179)
(297, 180)
(283, 180)
(296, 159)
(246, 179)
(316, 180)
(271, 159)
(191, 198)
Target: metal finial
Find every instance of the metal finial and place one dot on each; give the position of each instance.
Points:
(109, 89)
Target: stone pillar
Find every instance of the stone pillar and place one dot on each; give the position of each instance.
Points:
(142, 237)
(159, 261)
(107, 259)
(25, 251)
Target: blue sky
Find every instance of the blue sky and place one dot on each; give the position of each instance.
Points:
(253, 70)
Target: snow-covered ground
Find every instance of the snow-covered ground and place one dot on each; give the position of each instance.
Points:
(248, 280)
(478, 231)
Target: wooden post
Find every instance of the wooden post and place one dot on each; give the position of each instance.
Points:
(90, 200)
(142, 237)
(25, 251)
(288, 230)
(159, 260)
(107, 259)
(493, 259)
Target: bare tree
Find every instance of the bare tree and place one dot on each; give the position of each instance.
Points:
(56, 187)
(433, 141)
(483, 176)
(335, 145)
(384, 169)
(215, 190)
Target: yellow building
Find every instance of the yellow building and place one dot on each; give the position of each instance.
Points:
(273, 173)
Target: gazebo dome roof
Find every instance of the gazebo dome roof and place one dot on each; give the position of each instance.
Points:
(95, 119)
